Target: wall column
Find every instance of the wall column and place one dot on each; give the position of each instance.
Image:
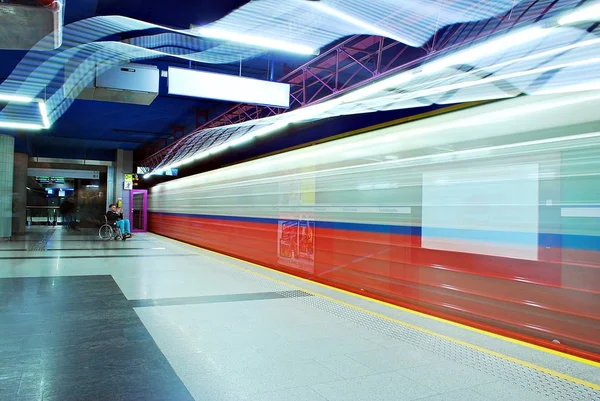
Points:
(7, 152)
(124, 165)
(19, 220)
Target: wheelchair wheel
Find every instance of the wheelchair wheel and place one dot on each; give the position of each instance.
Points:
(105, 232)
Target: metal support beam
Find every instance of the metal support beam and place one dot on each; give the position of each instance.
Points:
(347, 66)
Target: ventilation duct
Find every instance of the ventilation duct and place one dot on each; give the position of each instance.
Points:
(130, 83)
(24, 23)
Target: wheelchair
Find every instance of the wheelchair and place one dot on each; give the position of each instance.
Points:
(109, 232)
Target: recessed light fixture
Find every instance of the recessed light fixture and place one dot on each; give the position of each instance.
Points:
(256, 41)
(5, 97)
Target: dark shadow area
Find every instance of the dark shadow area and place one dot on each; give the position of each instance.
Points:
(78, 338)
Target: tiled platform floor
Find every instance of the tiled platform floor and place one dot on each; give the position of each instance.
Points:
(153, 319)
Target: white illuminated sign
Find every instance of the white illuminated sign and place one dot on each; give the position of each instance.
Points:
(209, 85)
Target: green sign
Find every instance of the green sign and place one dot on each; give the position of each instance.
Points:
(46, 180)
(128, 183)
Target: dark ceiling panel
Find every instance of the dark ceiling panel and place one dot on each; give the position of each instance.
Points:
(106, 126)
(80, 9)
(178, 13)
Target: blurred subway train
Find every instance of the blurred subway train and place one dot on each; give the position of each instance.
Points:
(487, 216)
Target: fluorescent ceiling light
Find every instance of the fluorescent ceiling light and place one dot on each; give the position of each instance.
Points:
(469, 84)
(388, 83)
(544, 53)
(486, 48)
(6, 124)
(5, 97)
(401, 78)
(44, 114)
(255, 41)
(354, 21)
(584, 13)
(395, 81)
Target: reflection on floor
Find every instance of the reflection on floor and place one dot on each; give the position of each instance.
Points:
(152, 319)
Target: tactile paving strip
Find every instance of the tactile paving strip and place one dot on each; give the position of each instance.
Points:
(547, 385)
(42, 243)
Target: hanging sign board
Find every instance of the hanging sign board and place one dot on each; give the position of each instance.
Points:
(209, 85)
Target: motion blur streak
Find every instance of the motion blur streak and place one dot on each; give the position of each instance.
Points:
(487, 216)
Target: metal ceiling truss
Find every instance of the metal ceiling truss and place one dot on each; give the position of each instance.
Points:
(356, 62)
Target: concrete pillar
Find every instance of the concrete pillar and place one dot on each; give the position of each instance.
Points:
(124, 165)
(19, 221)
(110, 186)
(7, 151)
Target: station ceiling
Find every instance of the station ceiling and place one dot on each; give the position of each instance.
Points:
(94, 129)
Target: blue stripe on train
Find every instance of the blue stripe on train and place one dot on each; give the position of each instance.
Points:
(549, 240)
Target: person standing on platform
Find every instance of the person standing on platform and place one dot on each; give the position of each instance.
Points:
(68, 209)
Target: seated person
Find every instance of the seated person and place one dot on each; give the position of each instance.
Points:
(115, 216)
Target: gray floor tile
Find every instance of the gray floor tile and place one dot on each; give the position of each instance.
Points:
(28, 398)
(310, 349)
(460, 395)
(242, 343)
(213, 391)
(384, 341)
(270, 378)
(219, 340)
(197, 363)
(503, 391)
(446, 377)
(345, 366)
(85, 354)
(11, 344)
(292, 375)
(392, 359)
(380, 387)
(9, 386)
(313, 332)
(292, 394)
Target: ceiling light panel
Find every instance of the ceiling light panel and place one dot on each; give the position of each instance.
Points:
(21, 115)
(528, 67)
(268, 25)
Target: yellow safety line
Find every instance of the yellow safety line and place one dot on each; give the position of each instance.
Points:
(390, 319)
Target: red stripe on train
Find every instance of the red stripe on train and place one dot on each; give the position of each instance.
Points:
(536, 301)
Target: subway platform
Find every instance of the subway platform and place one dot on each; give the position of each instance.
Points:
(154, 319)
